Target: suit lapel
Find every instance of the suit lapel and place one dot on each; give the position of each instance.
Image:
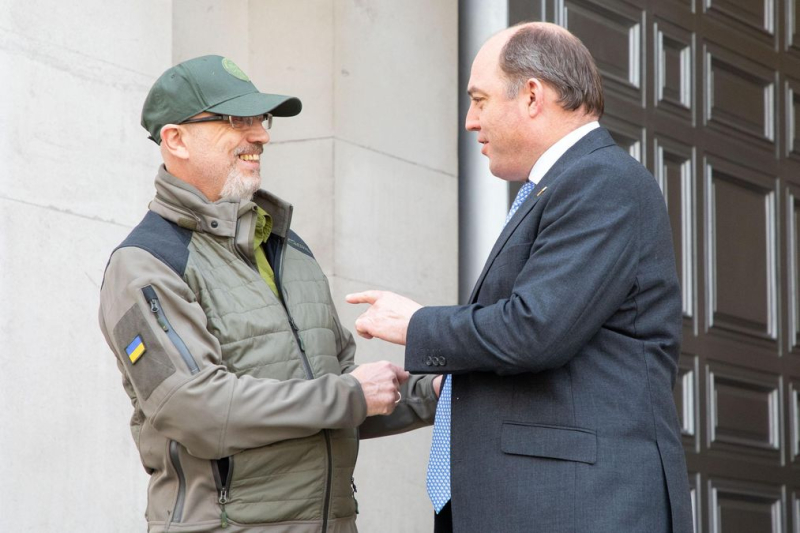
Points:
(594, 140)
(508, 230)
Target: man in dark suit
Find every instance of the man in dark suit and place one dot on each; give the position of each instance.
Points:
(557, 413)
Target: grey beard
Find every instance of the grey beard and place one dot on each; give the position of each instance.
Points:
(239, 186)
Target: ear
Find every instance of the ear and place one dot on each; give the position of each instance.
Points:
(172, 140)
(534, 94)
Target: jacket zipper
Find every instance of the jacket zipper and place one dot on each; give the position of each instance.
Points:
(352, 478)
(295, 330)
(223, 488)
(155, 307)
(309, 375)
(177, 513)
(354, 489)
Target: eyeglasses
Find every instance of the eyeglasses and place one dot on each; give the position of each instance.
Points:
(237, 123)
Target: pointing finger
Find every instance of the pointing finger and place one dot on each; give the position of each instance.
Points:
(366, 297)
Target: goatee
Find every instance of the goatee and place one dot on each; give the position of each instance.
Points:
(240, 185)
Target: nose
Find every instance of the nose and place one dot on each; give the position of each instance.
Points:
(472, 123)
(258, 134)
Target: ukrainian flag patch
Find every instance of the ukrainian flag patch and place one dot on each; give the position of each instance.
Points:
(135, 349)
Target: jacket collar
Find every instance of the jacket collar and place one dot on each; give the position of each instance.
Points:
(186, 206)
(594, 140)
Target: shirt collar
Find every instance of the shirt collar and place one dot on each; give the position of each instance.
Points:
(554, 153)
(263, 227)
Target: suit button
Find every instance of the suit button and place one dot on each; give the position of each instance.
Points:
(443, 361)
(428, 361)
(435, 361)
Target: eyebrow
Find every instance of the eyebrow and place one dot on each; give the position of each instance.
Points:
(472, 90)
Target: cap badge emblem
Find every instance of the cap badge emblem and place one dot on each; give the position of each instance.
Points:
(234, 70)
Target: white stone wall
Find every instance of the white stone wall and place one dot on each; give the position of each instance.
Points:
(75, 178)
(370, 165)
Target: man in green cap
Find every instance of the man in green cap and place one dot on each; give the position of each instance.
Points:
(247, 403)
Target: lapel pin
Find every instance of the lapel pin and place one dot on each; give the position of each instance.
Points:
(538, 194)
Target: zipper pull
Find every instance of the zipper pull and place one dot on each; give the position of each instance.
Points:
(156, 310)
(297, 333)
(353, 486)
(223, 499)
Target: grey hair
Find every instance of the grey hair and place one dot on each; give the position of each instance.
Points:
(558, 58)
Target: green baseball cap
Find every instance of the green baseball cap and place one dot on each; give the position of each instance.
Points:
(208, 83)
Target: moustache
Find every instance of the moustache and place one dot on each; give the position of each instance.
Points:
(253, 149)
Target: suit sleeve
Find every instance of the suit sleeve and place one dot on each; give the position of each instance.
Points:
(581, 268)
(180, 383)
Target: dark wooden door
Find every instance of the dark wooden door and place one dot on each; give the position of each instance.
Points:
(706, 94)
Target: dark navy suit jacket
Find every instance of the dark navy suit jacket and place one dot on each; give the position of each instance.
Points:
(564, 360)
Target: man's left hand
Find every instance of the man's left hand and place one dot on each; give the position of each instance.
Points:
(387, 317)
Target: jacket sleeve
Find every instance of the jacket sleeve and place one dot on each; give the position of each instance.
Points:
(581, 268)
(417, 406)
(181, 385)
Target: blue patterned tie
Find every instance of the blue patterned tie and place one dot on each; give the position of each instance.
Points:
(522, 195)
(438, 482)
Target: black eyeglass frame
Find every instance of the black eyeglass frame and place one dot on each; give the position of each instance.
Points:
(266, 120)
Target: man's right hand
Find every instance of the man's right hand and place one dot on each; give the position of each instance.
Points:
(380, 382)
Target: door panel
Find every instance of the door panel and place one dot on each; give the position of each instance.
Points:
(745, 507)
(741, 236)
(740, 95)
(757, 16)
(744, 412)
(674, 60)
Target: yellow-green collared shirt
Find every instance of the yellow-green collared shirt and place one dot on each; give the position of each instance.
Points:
(263, 230)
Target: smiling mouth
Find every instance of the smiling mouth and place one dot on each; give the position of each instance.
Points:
(250, 157)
